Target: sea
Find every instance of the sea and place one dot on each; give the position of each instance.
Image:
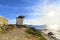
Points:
(46, 31)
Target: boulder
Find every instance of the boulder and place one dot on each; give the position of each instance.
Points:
(3, 21)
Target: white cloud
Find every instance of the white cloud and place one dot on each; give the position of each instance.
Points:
(35, 21)
(43, 17)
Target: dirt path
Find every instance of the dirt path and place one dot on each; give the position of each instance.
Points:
(17, 34)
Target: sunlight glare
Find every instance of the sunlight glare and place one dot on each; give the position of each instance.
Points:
(51, 13)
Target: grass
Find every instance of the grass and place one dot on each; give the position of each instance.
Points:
(4, 29)
(34, 32)
(1, 30)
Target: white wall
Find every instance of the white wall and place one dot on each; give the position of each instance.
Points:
(19, 21)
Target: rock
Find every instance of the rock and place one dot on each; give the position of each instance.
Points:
(3, 21)
(50, 33)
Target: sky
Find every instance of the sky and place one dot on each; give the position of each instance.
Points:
(36, 12)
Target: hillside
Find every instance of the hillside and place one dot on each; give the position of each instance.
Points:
(18, 34)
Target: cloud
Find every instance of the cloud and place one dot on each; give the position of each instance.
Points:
(42, 11)
(52, 13)
(35, 21)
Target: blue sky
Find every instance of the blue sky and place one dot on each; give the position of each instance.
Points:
(33, 10)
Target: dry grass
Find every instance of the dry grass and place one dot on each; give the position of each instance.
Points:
(17, 34)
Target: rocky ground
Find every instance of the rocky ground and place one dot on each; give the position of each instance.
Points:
(17, 34)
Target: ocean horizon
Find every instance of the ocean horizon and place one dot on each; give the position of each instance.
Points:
(47, 30)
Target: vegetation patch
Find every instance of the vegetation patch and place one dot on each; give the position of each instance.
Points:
(5, 29)
(34, 32)
(1, 30)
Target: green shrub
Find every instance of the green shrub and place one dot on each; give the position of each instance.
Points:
(1, 30)
(26, 26)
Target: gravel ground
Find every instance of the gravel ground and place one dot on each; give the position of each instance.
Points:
(17, 34)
